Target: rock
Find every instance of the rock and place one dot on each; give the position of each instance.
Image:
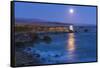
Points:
(37, 55)
(23, 58)
(56, 55)
(47, 39)
(85, 30)
(75, 31)
(34, 37)
(70, 31)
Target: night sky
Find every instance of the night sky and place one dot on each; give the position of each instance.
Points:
(56, 13)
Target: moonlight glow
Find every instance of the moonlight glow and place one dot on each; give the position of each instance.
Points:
(71, 11)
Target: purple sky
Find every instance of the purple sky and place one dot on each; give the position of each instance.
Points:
(58, 13)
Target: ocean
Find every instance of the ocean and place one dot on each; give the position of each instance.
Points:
(65, 48)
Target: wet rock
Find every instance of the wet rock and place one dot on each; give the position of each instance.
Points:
(85, 30)
(34, 37)
(47, 39)
(29, 49)
(76, 31)
(23, 58)
(37, 55)
(70, 31)
(56, 55)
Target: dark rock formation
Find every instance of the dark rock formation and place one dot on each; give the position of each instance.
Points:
(47, 39)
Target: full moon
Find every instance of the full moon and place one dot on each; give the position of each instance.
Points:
(71, 10)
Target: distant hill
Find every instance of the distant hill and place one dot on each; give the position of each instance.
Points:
(40, 22)
(46, 23)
